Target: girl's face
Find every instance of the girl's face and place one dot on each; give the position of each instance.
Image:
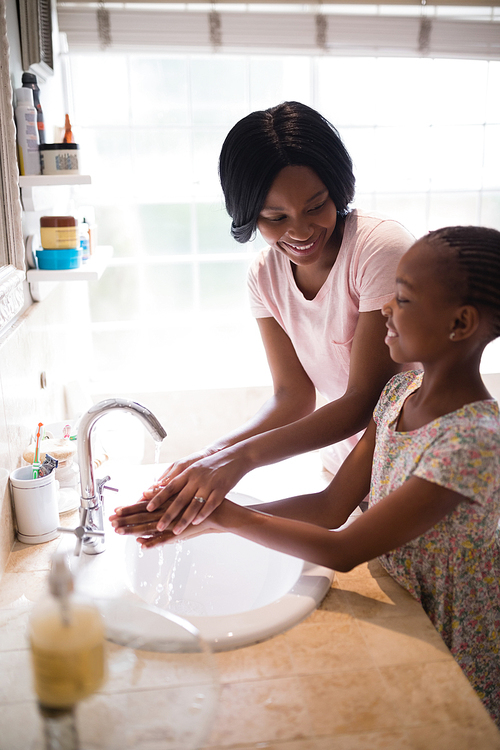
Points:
(299, 217)
(422, 314)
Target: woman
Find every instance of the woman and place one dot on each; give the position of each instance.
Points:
(316, 292)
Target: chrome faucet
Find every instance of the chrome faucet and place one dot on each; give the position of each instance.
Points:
(90, 532)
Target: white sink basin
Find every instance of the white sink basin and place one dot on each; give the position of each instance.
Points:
(233, 591)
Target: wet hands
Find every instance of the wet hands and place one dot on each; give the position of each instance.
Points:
(135, 519)
(138, 521)
(197, 487)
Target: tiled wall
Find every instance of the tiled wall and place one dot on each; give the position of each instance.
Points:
(53, 337)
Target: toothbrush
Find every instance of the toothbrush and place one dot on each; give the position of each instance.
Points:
(36, 457)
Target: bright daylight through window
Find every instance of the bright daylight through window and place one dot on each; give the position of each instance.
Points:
(171, 310)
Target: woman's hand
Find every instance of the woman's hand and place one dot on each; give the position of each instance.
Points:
(199, 489)
(177, 467)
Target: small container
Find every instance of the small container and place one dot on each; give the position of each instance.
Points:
(59, 232)
(85, 240)
(35, 505)
(68, 133)
(59, 158)
(59, 260)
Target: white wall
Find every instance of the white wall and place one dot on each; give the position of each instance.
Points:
(52, 337)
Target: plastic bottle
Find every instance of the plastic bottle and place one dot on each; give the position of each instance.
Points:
(29, 82)
(27, 133)
(68, 136)
(85, 239)
(67, 643)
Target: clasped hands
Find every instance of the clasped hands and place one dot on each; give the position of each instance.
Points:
(154, 519)
(183, 500)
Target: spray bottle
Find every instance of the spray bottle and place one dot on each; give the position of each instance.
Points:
(27, 133)
(29, 82)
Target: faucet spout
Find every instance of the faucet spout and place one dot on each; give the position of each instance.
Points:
(91, 506)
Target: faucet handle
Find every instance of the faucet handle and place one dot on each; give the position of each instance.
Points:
(79, 532)
(101, 485)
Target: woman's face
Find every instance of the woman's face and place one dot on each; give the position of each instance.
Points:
(299, 217)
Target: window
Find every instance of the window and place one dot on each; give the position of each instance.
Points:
(171, 311)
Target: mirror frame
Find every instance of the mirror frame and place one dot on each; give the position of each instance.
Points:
(12, 263)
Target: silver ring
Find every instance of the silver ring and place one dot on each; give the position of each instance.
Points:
(200, 500)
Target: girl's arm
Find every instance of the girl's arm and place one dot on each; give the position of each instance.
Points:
(405, 514)
(212, 477)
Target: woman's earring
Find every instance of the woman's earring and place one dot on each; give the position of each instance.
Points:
(452, 335)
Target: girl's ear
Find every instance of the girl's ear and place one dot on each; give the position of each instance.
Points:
(465, 324)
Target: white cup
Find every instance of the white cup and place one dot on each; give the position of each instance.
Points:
(35, 505)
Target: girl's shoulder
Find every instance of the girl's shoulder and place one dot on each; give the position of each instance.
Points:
(478, 417)
(394, 393)
(400, 386)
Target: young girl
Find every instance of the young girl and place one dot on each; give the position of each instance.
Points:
(430, 458)
(316, 291)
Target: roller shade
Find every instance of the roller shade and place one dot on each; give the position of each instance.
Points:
(296, 30)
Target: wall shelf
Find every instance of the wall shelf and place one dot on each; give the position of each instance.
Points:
(91, 270)
(29, 184)
(39, 180)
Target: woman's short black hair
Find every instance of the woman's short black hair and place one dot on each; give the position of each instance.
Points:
(476, 276)
(260, 145)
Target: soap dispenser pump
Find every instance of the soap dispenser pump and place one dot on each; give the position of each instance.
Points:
(66, 635)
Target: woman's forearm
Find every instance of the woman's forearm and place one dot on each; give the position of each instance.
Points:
(329, 424)
(278, 411)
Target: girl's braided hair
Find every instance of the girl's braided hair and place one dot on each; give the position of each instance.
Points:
(477, 277)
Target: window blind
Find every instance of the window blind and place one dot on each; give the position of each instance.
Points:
(290, 30)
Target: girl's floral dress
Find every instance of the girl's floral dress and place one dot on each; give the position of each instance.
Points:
(453, 569)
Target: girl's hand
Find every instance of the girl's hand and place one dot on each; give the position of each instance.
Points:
(165, 537)
(200, 489)
(135, 519)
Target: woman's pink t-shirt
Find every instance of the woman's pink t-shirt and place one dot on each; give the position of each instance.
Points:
(362, 279)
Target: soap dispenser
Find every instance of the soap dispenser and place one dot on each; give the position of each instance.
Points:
(66, 635)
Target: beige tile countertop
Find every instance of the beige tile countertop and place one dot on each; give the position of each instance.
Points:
(365, 671)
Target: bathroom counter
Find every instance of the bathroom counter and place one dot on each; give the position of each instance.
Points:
(366, 670)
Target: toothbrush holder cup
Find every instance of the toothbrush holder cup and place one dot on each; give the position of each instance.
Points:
(35, 505)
